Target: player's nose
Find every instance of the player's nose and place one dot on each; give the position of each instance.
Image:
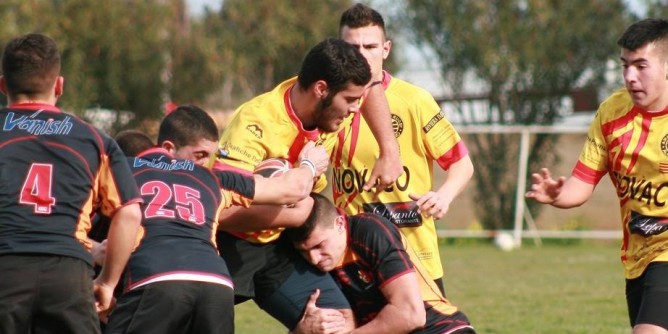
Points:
(314, 257)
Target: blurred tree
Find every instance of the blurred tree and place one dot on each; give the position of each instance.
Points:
(262, 42)
(528, 55)
(196, 64)
(657, 8)
(115, 54)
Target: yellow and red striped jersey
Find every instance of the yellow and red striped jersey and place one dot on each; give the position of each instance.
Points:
(631, 145)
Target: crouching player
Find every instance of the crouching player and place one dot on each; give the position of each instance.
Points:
(369, 258)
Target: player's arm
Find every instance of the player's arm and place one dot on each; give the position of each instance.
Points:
(388, 167)
(404, 311)
(120, 242)
(295, 184)
(561, 193)
(437, 203)
(260, 217)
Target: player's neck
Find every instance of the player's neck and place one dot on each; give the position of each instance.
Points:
(299, 103)
(24, 99)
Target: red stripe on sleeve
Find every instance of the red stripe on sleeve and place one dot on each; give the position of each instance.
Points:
(453, 155)
(587, 174)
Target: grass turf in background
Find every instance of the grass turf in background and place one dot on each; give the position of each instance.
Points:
(552, 289)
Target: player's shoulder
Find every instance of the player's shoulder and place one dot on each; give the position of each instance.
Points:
(369, 223)
(615, 105)
(410, 94)
(405, 86)
(266, 108)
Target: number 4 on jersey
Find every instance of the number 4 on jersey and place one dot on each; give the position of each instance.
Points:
(36, 190)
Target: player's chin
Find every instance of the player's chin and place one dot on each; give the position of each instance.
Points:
(332, 126)
(324, 267)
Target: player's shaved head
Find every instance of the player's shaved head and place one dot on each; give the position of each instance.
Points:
(187, 125)
(30, 65)
(323, 214)
(133, 142)
(359, 16)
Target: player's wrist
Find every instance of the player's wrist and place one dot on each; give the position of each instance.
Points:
(310, 165)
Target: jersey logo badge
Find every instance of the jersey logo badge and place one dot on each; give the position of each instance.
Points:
(397, 125)
(364, 276)
(664, 145)
(255, 130)
(439, 116)
(402, 214)
(647, 226)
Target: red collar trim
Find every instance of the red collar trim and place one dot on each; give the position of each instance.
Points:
(34, 106)
(386, 79)
(152, 150)
(310, 134)
(650, 114)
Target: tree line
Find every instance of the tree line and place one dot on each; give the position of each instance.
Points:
(138, 55)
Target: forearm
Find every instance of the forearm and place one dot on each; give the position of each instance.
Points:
(573, 194)
(376, 112)
(404, 311)
(120, 243)
(260, 217)
(457, 178)
(390, 320)
(289, 188)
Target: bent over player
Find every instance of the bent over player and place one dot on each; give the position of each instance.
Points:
(176, 269)
(378, 272)
(54, 171)
(628, 140)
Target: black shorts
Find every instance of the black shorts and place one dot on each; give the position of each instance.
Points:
(41, 292)
(647, 296)
(277, 278)
(174, 307)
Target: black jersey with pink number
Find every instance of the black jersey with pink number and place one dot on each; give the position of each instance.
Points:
(182, 202)
(56, 169)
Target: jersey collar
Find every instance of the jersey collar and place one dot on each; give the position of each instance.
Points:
(155, 150)
(34, 106)
(312, 135)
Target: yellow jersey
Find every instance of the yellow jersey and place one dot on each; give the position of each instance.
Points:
(425, 136)
(631, 145)
(267, 127)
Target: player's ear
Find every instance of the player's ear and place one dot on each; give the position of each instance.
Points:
(386, 48)
(60, 85)
(3, 85)
(169, 146)
(320, 89)
(339, 224)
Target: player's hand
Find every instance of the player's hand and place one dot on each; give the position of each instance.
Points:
(544, 188)
(99, 252)
(432, 204)
(104, 293)
(316, 154)
(385, 171)
(304, 205)
(104, 315)
(320, 320)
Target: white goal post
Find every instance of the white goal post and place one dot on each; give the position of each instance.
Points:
(521, 211)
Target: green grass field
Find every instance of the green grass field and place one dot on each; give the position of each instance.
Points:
(552, 289)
